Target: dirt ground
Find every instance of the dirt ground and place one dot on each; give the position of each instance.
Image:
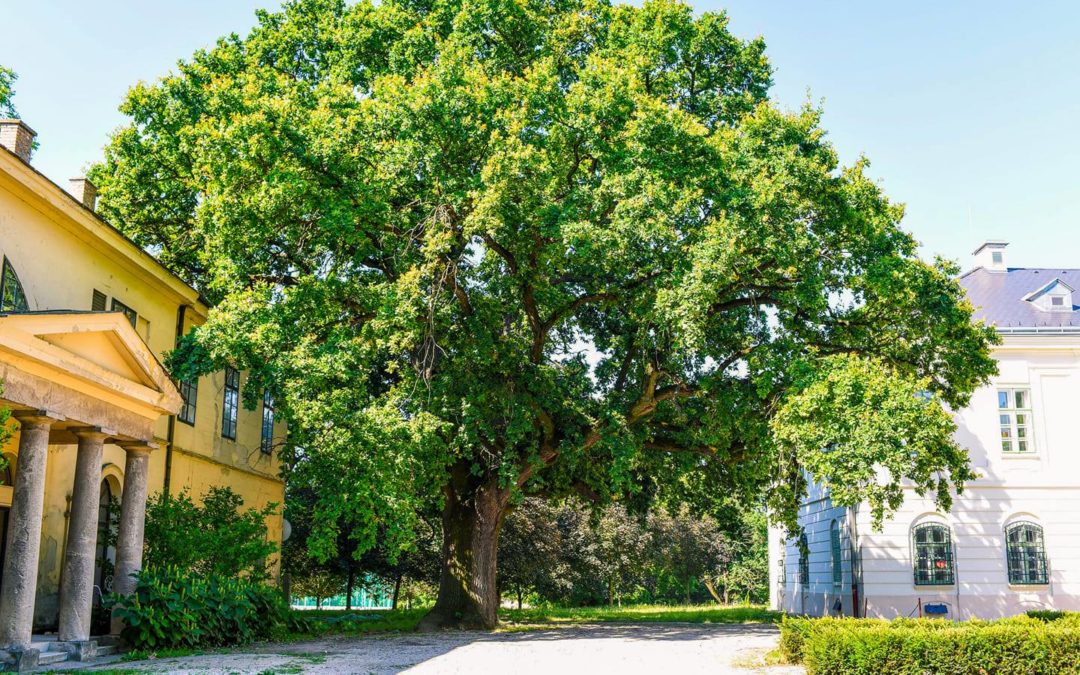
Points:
(665, 649)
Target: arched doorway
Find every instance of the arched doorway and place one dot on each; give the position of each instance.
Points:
(105, 555)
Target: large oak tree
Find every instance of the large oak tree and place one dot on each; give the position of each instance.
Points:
(487, 248)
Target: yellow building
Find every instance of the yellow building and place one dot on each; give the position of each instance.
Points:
(85, 317)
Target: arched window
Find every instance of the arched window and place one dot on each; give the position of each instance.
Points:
(12, 298)
(1025, 554)
(804, 561)
(837, 566)
(933, 555)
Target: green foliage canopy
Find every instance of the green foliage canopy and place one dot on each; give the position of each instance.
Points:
(550, 245)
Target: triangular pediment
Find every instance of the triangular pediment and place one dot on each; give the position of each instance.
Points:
(99, 348)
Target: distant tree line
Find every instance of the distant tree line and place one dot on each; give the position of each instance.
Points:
(567, 553)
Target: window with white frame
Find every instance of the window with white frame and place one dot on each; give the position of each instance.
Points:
(1014, 419)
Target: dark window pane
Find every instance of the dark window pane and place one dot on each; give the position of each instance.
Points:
(231, 403)
(13, 298)
(131, 315)
(189, 390)
(266, 443)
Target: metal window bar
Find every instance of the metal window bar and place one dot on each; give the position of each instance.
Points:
(934, 564)
(1025, 554)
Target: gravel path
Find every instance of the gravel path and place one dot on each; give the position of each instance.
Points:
(626, 649)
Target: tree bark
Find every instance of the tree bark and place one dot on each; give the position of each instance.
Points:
(349, 582)
(472, 515)
(712, 590)
(397, 591)
(519, 598)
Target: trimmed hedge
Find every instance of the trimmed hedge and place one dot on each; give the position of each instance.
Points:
(1023, 645)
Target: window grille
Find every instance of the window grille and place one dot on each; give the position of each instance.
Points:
(1025, 554)
(934, 564)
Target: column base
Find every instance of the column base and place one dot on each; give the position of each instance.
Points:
(77, 650)
(19, 660)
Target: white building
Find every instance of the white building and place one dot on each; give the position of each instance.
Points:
(1011, 542)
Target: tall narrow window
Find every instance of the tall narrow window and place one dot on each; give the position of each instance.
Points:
(266, 444)
(12, 297)
(1014, 417)
(933, 555)
(804, 561)
(97, 302)
(1025, 554)
(232, 402)
(837, 558)
(132, 315)
(189, 390)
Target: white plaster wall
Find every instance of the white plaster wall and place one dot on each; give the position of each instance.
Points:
(1043, 487)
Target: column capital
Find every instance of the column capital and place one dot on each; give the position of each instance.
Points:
(37, 418)
(138, 447)
(92, 433)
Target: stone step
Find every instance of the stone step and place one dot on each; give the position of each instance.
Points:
(105, 650)
(47, 657)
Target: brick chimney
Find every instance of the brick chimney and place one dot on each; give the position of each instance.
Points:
(83, 190)
(17, 137)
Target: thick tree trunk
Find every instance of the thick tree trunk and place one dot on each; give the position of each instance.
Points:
(397, 591)
(349, 582)
(712, 590)
(472, 515)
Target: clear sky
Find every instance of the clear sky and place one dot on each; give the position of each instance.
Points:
(968, 111)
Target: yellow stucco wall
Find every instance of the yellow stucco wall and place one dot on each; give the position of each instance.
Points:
(61, 254)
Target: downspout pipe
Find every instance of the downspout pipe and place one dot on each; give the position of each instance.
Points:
(170, 433)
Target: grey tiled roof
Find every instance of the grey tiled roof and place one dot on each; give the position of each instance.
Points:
(998, 297)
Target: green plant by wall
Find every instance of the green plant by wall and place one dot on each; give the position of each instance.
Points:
(215, 538)
(173, 608)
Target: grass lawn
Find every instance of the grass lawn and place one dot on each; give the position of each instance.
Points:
(359, 622)
(641, 614)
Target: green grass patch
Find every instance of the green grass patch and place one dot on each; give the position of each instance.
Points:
(640, 614)
(358, 622)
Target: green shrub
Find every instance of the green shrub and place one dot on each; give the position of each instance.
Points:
(1018, 645)
(173, 608)
(217, 537)
(1051, 614)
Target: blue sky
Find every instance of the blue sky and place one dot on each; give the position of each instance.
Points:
(968, 111)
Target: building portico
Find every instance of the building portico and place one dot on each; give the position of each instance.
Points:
(80, 381)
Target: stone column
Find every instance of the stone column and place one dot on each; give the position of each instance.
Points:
(77, 582)
(24, 530)
(129, 540)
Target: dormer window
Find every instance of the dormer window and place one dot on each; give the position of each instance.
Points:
(1056, 296)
